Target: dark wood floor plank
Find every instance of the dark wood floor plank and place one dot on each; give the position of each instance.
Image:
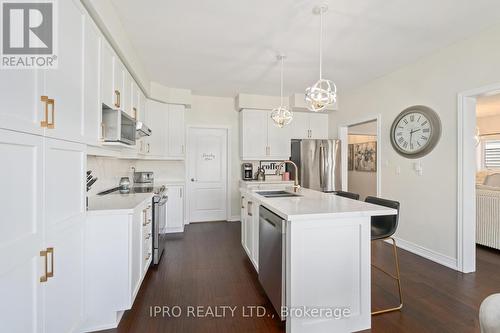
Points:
(207, 266)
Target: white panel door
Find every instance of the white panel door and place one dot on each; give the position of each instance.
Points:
(21, 232)
(176, 130)
(207, 164)
(318, 123)
(108, 97)
(64, 195)
(91, 104)
(279, 140)
(64, 85)
(175, 209)
(253, 129)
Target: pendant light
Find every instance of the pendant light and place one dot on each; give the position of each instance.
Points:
(323, 92)
(281, 115)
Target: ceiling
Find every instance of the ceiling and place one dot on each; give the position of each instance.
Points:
(487, 106)
(225, 47)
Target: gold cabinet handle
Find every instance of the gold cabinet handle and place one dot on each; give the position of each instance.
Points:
(50, 250)
(117, 98)
(48, 102)
(144, 211)
(147, 258)
(43, 278)
(135, 112)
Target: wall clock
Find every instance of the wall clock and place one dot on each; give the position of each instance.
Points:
(415, 131)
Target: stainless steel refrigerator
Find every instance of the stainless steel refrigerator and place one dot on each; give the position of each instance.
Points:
(319, 164)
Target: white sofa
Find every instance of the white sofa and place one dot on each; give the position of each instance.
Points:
(488, 211)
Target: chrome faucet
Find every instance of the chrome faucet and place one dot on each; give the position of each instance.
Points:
(296, 185)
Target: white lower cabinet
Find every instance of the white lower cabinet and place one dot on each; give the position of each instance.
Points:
(42, 248)
(175, 209)
(117, 256)
(250, 229)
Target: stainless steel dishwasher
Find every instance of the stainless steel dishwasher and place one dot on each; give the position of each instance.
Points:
(272, 257)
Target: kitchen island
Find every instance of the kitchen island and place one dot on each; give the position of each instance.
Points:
(326, 258)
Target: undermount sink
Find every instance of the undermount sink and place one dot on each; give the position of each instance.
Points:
(277, 194)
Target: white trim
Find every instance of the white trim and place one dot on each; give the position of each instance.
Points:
(234, 218)
(228, 168)
(466, 210)
(343, 133)
(426, 253)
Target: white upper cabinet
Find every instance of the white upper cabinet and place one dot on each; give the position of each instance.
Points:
(63, 86)
(309, 125)
(167, 124)
(261, 139)
(253, 134)
(107, 80)
(176, 131)
(91, 104)
(135, 101)
(141, 106)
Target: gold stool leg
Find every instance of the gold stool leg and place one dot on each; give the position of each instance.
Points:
(397, 278)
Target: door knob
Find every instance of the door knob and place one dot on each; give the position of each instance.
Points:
(193, 180)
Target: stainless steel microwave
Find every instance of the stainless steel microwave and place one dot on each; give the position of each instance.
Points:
(118, 126)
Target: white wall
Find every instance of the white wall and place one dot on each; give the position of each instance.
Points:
(362, 182)
(108, 170)
(428, 202)
(220, 111)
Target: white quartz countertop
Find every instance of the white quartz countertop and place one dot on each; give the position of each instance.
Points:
(116, 203)
(318, 205)
(259, 182)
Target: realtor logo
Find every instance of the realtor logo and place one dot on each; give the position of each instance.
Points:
(28, 35)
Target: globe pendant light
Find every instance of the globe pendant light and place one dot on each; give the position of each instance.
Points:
(323, 92)
(281, 115)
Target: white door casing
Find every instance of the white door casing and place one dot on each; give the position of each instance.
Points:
(207, 174)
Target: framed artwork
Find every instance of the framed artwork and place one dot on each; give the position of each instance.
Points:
(350, 157)
(365, 156)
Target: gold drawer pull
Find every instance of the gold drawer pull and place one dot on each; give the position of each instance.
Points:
(117, 98)
(45, 254)
(43, 278)
(48, 101)
(50, 250)
(147, 258)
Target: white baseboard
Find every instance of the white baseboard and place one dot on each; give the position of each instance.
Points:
(234, 218)
(426, 253)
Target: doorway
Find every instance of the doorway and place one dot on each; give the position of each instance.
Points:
(361, 156)
(207, 174)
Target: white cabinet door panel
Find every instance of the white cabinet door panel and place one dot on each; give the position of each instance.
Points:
(118, 83)
(65, 84)
(91, 104)
(176, 131)
(157, 120)
(175, 209)
(126, 96)
(279, 140)
(300, 125)
(318, 123)
(107, 78)
(21, 232)
(65, 164)
(20, 92)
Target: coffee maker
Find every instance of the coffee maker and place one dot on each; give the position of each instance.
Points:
(247, 171)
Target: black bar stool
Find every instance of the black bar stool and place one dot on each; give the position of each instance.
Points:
(349, 195)
(382, 228)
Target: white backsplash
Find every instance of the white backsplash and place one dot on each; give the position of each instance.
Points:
(109, 171)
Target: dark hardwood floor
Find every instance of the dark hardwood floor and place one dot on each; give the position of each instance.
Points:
(206, 266)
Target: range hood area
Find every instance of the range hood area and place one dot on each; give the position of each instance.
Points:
(142, 130)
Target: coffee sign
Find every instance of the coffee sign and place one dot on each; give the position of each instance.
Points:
(270, 167)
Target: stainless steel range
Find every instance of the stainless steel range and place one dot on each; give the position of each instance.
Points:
(144, 183)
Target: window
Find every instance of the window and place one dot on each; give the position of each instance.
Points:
(492, 154)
